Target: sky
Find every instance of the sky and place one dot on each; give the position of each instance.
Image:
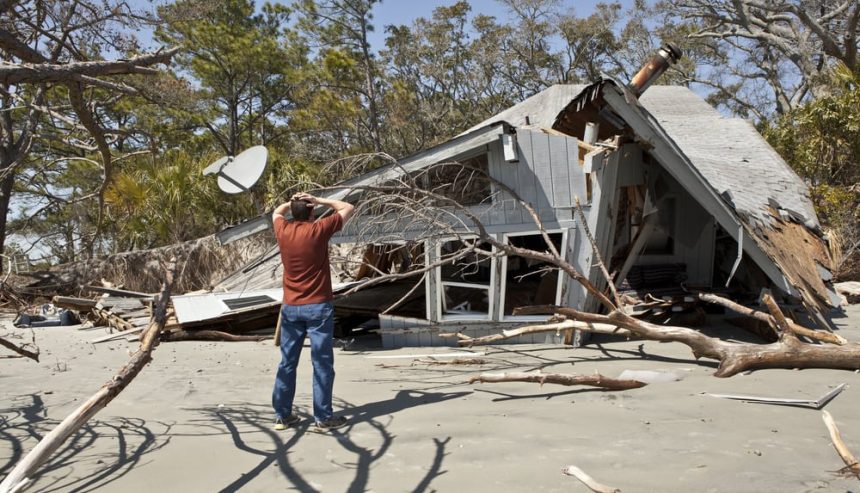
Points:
(399, 12)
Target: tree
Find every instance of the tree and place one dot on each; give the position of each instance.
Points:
(52, 50)
(246, 65)
(767, 56)
(821, 141)
(442, 78)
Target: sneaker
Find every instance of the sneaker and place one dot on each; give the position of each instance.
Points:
(331, 424)
(283, 424)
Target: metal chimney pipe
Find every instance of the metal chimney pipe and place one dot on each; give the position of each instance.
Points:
(666, 55)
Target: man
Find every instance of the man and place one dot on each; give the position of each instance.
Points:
(307, 308)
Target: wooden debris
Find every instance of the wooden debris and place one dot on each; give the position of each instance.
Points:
(206, 335)
(818, 335)
(277, 338)
(562, 325)
(596, 380)
(52, 441)
(69, 303)
(734, 357)
(22, 350)
(120, 292)
(852, 466)
(455, 361)
(588, 480)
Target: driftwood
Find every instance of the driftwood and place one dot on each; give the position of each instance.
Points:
(852, 466)
(596, 380)
(818, 335)
(563, 325)
(40, 454)
(21, 350)
(734, 357)
(206, 335)
(455, 361)
(588, 480)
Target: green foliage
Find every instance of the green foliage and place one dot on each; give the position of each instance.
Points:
(246, 65)
(821, 141)
(159, 200)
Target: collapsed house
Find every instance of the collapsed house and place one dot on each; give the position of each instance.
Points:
(677, 197)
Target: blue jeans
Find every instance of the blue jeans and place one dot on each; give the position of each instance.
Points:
(315, 320)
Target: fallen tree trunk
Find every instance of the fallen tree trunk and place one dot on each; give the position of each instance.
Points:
(40, 454)
(598, 328)
(207, 335)
(818, 335)
(734, 357)
(33, 355)
(596, 380)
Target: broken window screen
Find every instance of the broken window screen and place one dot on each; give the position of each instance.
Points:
(459, 181)
(528, 281)
(465, 282)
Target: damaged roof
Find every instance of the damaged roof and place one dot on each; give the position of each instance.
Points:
(729, 152)
(730, 169)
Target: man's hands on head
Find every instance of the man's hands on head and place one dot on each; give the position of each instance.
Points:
(345, 209)
(310, 199)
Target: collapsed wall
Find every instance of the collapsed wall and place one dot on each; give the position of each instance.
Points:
(201, 263)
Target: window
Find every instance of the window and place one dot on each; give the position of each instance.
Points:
(528, 281)
(465, 283)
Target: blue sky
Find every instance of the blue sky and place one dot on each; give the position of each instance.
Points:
(405, 11)
(399, 12)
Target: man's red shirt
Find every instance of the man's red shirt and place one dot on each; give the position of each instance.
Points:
(304, 253)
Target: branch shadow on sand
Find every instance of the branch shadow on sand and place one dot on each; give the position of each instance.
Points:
(253, 423)
(76, 466)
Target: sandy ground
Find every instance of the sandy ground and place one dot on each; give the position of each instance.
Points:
(197, 419)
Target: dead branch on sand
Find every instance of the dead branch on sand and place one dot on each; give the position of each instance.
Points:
(40, 454)
(22, 349)
(596, 380)
(798, 329)
(207, 335)
(455, 361)
(852, 466)
(734, 357)
(588, 480)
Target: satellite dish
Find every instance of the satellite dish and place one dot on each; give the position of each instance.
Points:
(238, 174)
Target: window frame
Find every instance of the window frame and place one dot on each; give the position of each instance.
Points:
(504, 275)
(440, 284)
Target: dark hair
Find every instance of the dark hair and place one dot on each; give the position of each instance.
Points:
(300, 209)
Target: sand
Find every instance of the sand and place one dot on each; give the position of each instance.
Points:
(198, 419)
